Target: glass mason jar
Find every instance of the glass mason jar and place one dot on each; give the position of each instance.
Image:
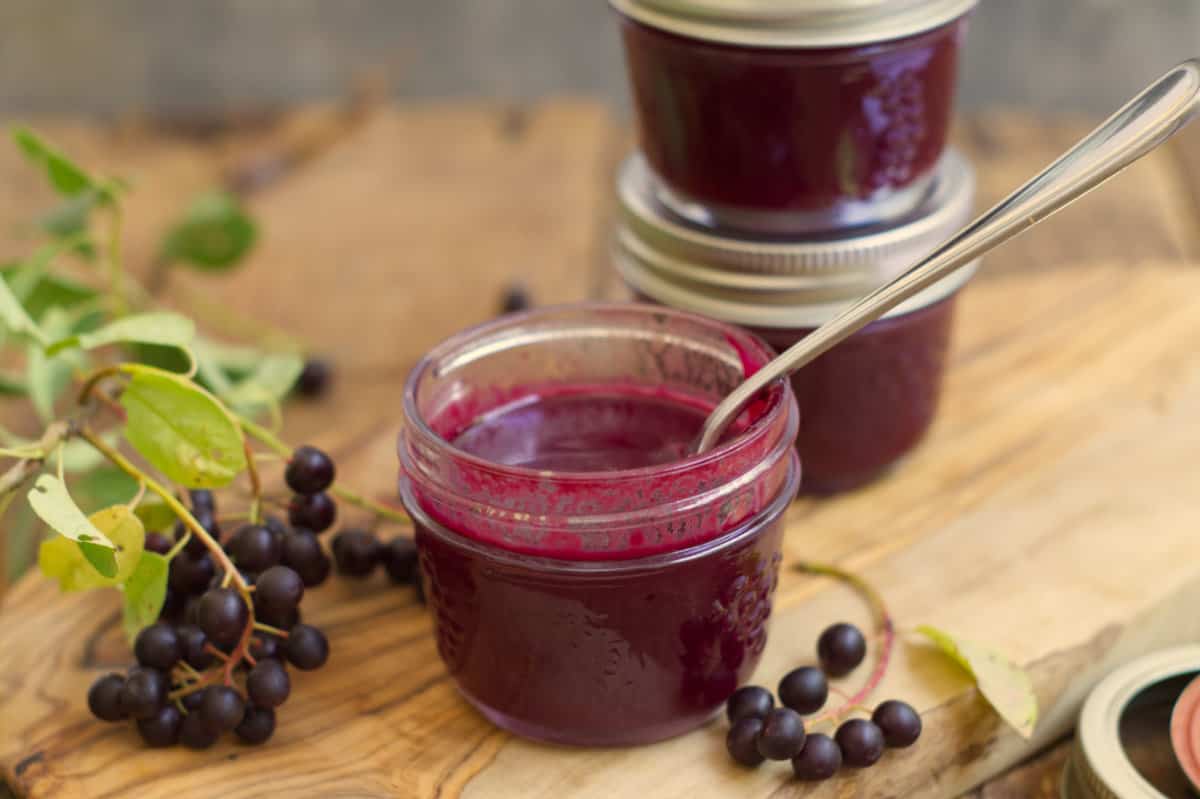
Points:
(792, 116)
(579, 596)
(869, 400)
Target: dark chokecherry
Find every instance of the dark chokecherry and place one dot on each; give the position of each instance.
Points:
(279, 619)
(314, 377)
(161, 729)
(302, 553)
(861, 742)
(782, 735)
(104, 698)
(268, 684)
(356, 552)
(254, 548)
(279, 588)
(316, 512)
(191, 646)
(221, 707)
(222, 615)
(820, 759)
(158, 543)
(841, 648)
(400, 560)
(307, 647)
(208, 520)
(749, 701)
(157, 646)
(190, 574)
(144, 692)
(174, 604)
(899, 723)
(264, 646)
(202, 500)
(257, 725)
(804, 690)
(516, 298)
(277, 526)
(742, 741)
(194, 732)
(191, 702)
(310, 471)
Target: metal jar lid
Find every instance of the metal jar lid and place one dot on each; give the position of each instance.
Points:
(794, 23)
(781, 282)
(1098, 767)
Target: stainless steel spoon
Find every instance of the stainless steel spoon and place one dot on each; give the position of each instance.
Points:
(1143, 124)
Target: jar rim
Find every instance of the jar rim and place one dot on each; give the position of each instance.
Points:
(794, 23)
(415, 420)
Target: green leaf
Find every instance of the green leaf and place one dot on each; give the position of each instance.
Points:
(169, 359)
(62, 560)
(268, 384)
(15, 317)
(70, 218)
(105, 486)
(1004, 684)
(67, 178)
(182, 429)
(53, 505)
(48, 376)
(48, 291)
(155, 514)
(145, 591)
(214, 234)
(161, 327)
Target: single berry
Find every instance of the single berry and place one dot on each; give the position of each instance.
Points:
(314, 377)
(400, 560)
(819, 760)
(315, 512)
(302, 553)
(899, 723)
(278, 528)
(279, 588)
(356, 552)
(174, 604)
(144, 692)
(190, 574)
(516, 298)
(191, 702)
(268, 684)
(221, 707)
(191, 646)
(804, 690)
(861, 742)
(841, 648)
(202, 500)
(257, 725)
(749, 701)
(157, 646)
(307, 648)
(194, 732)
(157, 542)
(264, 646)
(254, 548)
(222, 615)
(782, 735)
(104, 698)
(161, 729)
(310, 471)
(742, 741)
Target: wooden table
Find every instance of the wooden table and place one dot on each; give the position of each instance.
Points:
(1052, 512)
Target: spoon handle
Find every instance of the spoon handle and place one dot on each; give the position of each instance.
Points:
(1143, 124)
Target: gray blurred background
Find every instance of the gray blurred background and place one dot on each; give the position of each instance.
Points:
(198, 58)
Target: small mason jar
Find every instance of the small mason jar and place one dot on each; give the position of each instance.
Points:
(792, 116)
(869, 400)
(578, 596)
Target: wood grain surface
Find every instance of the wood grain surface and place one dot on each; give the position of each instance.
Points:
(1051, 513)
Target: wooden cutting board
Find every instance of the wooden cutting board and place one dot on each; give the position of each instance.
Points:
(1053, 512)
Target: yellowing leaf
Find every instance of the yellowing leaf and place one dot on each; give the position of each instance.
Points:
(61, 559)
(53, 505)
(145, 591)
(1004, 684)
(155, 514)
(181, 429)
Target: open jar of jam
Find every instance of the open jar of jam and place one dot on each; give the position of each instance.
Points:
(591, 582)
(869, 400)
(792, 115)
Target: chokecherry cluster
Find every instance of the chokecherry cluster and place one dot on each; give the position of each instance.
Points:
(217, 660)
(761, 731)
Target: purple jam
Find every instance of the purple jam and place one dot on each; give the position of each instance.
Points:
(868, 401)
(794, 130)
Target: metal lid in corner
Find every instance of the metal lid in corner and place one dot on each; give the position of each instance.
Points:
(781, 282)
(795, 23)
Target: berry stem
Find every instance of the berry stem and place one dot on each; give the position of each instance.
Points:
(177, 507)
(217, 653)
(266, 628)
(886, 631)
(255, 512)
(180, 544)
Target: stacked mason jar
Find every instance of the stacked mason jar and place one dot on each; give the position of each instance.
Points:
(793, 158)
